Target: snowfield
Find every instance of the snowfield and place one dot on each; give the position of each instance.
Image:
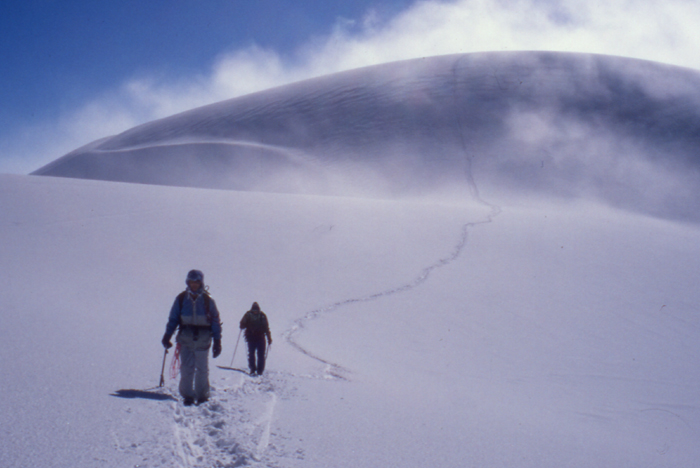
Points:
(528, 300)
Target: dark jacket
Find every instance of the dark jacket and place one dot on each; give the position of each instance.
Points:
(255, 324)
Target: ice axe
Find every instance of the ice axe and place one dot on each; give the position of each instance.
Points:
(236, 348)
(162, 370)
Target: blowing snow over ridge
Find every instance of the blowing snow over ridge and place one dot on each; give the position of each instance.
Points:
(620, 130)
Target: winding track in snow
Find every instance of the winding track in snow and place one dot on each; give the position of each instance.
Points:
(336, 371)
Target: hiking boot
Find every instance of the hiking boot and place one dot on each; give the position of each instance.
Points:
(202, 400)
(189, 401)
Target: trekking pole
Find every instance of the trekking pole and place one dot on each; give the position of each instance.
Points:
(162, 370)
(236, 348)
(267, 350)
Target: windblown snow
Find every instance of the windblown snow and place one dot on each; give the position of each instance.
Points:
(567, 125)
(473, 260)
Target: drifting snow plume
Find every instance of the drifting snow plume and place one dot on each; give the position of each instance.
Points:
(573, 125)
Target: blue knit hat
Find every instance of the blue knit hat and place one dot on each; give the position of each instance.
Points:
(195, 275)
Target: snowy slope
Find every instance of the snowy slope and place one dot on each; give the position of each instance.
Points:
(92, 269)
(524, 313)
(561, 335)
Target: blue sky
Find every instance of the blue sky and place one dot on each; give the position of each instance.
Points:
(54, 53)
(75, 71)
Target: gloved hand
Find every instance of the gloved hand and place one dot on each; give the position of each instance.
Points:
(166, 341)
(269, 339)
(217, 348)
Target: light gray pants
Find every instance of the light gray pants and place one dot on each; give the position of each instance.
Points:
(194, 373)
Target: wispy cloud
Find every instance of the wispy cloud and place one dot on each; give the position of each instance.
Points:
(660, 31)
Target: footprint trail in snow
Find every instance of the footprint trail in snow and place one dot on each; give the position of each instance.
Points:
(234, 428)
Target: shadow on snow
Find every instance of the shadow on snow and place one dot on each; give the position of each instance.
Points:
(144, 394)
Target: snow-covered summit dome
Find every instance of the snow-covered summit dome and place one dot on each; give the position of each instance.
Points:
(514, 122)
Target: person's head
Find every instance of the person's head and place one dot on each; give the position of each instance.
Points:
(195, 280)
(255, 307)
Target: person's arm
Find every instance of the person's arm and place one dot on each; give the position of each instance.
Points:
(244, 321)
(173, 322)
(215, 320)
(267, 329)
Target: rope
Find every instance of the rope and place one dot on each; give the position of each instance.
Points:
(175, 363)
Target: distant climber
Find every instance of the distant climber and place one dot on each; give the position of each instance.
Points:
(256, 327)
(197, 317)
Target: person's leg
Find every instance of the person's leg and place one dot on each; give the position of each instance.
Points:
(261, 355)
(187, 365)
(251, 355)
(201, 375)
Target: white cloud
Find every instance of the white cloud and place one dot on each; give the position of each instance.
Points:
(660, 31)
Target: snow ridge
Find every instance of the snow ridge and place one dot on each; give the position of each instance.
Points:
(552, 124)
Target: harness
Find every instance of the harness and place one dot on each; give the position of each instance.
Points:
(195, 328)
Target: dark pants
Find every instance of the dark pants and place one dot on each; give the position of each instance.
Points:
(256, 345)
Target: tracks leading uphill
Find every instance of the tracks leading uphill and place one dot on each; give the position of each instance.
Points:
(337, 371)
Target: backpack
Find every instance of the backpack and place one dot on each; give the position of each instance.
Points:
(257, 323)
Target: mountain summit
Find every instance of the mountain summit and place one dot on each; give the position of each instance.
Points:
(565, 124)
